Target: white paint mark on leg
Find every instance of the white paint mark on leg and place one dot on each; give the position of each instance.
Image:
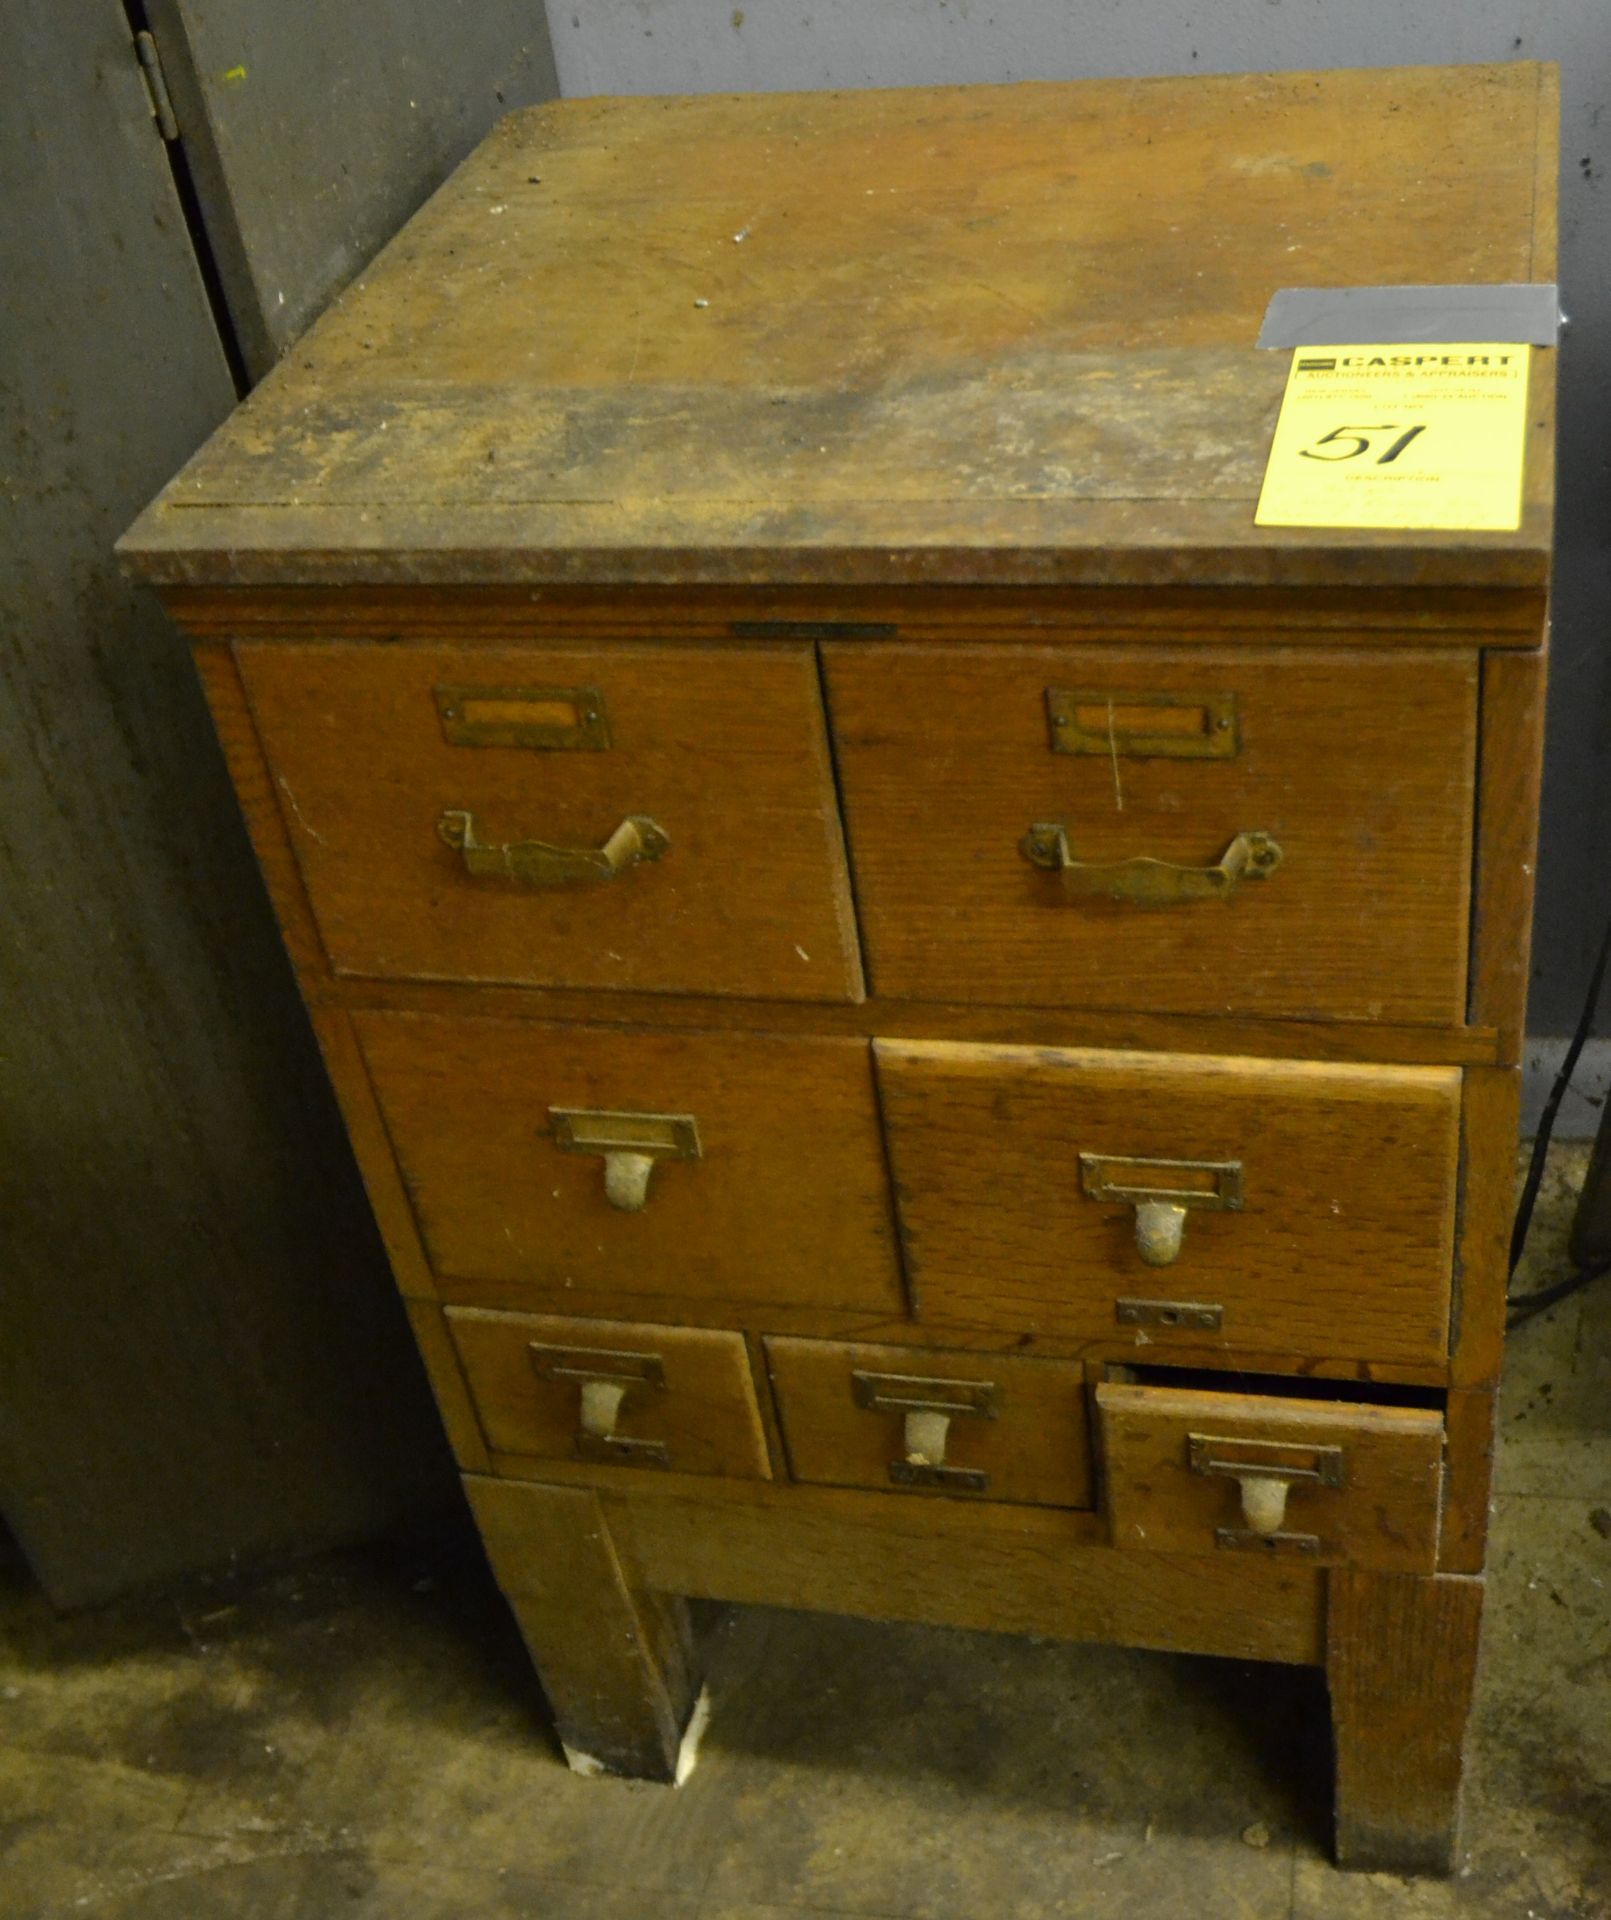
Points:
(698, 1720)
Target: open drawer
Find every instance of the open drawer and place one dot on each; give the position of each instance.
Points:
(1334, 1482)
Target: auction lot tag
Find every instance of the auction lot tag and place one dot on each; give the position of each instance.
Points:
(1400, 436)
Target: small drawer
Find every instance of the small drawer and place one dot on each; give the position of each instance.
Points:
(987, 1425)
(639, 1164)
(647, 817)
(1171, 1200)
(612, 1392)
(1341, 1484)
(1212, 831)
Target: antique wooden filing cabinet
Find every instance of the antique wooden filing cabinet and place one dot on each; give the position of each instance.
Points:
(930, 1014)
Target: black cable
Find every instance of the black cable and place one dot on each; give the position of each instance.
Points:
(1523, 1306)
(1546, 1120)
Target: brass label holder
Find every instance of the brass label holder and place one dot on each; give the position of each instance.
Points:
(1162, 1192)
(630, 1144)
(927, 1408)
(1143, 726)
(1265, 1471)
(540, 719)
(606, 1376)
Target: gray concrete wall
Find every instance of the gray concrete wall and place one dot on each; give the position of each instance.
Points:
(692, 46)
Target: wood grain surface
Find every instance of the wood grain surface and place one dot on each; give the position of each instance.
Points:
(1385, 1514)
(1401, 1659)
(950, 1563)
(955, 333)
(725, 752)
(1341, 1246)
(1361, 768)
(1034, 1447)
(616, 1658)
(704, 1414)
(788, 1200)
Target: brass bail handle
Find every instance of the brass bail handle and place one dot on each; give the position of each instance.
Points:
(535, 864)
(1143, 881)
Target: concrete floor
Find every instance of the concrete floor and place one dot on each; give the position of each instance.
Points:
(362, 1738)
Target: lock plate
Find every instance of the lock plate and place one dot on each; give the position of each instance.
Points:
(921, 1473)
(1194, 1316)
(1244, 1540)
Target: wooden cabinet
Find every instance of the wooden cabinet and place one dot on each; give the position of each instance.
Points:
(930, 1013)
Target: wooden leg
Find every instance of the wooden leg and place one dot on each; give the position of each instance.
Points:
(1401, 1658)
(614, 1658)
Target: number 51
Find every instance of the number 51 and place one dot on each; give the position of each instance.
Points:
(1362, 443)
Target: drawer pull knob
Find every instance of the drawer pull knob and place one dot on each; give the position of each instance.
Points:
(606, 1378)
(629, 1143)
(1162, 1192)
(1265, 1472)
(927, 1408)
(535, 864)
(1160, 1227)
(1264, 1501)
(1144, 882)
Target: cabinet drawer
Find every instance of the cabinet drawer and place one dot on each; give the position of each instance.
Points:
(992, 1426)
(612, 1392)
(1141, 771)
(448, 808)
(1287, 1207)
(639, 1164)
(1340, 1485)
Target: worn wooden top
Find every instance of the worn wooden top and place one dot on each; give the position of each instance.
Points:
(983, 334)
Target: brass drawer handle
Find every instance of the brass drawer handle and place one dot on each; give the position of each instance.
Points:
(533, 863)
(630, 1144)
(1144, 882)
(1162, 1193)
(606, 1378)
(1265, 1472)
(927, 1408)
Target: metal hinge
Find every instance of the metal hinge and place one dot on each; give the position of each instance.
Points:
(156, 85)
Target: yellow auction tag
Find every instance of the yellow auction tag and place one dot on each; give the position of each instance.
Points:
(1400, 436)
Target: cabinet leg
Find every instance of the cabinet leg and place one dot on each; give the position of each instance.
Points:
(615, 1659)
(1401, 1659)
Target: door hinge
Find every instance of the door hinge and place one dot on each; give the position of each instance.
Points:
(156, 85)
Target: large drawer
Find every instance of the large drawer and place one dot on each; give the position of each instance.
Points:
(1248, 831)
(1282, 1207)
(450, 810)
(638, 1164)
(613, 1393)
(1205, 1472)
(990, 1426)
